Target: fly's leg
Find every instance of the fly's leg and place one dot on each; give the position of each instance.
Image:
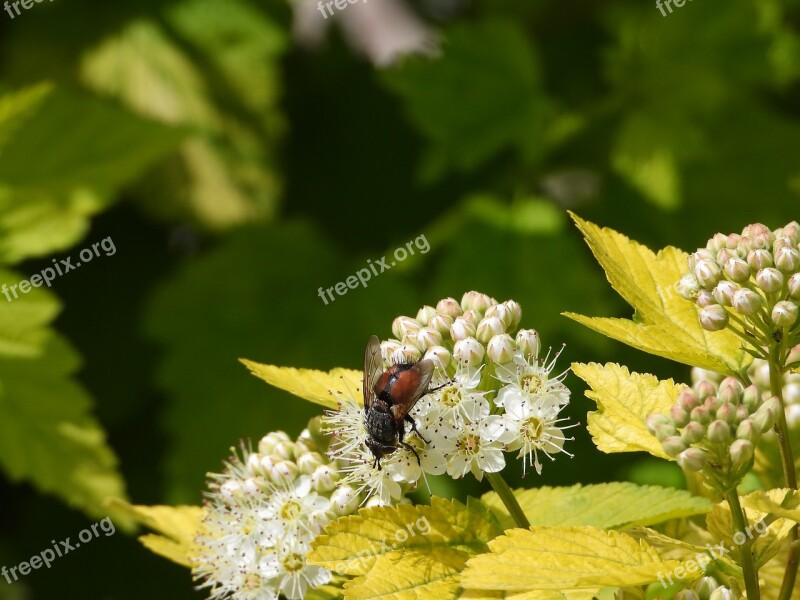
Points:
(410, 419)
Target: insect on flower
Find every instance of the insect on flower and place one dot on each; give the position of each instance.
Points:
(388, 397)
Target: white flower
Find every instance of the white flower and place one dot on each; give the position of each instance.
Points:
(287, 570)
(369, 480)
(533, 427)
(531, 378)
(474, 445)
(295, 513)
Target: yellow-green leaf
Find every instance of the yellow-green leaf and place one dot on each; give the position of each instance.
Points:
(607, 505)
(664, 323)
(320, 387)
(177, 526)
(625, 400)
(767, 540)
(564, 558)
(406, 551)
(783, 503)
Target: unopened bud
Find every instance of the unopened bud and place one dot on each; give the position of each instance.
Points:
(727, 412)
(741, 414)
(662, 432)
(713, 318)
(405, 354)
(741, 453)
(488, 328)
(722, 593)
(724, 291)
(705, 298)
(686, 594)
(442, 323)
(679, 416)
(770, 280)
(284, 450)
(231, 489)
(688, 399)
(705, 388)
(472, 316)
(528, 342)
(769, 413)
(737, 270)
(344, 500)
(708, 273)
(673, 445)
(748, 430)
(428, 337)
(284, 472)
(700, 415)
(688, 287)
(704, 586)
(425, 314)
(516, 313)
(751, 398)
(784, 313)
(461, 329)
(746, 302)
(476, 301)
(787, 259)
(308, 463)
(403, 326)
(440, 357)
(693, 433)
(469, 351)
(712, 403)
(759, 259)
(324, 479)
(502, 312)
(449, 307)
(793, 286)
(501, 349)
(269, 441)
(730, 390)
(654, 420)
(719, 432)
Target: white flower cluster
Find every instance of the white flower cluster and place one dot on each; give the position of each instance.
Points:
(483, 408)
(261, 514)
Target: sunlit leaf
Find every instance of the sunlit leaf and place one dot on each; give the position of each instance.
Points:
(624, 401)
(606, 505)
(564, 558)
(665, 323)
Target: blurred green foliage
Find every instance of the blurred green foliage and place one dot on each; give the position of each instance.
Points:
(237, 172)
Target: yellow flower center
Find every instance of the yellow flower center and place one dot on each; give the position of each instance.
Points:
(451, 396)
(291, 510)
(532, 428)
(293, 563)
(469, 444)
(532, 383)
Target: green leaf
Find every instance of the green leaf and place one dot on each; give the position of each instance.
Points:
(407, 551)
(564, 558)
(47, 434)
(605, 506)
(665, 324)
(50, 185)
(482, 95)
(625, 400)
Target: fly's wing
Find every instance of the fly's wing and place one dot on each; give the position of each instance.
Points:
(424, 370)
(373, 361)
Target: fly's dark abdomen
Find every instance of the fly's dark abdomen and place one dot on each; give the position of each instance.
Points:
(381, 427)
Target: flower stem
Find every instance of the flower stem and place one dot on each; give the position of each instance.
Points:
(789, 472)
(739, 524)
(507, 496)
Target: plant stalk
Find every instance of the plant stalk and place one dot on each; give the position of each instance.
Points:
(739, 523)
(789, 472)
(509, 500)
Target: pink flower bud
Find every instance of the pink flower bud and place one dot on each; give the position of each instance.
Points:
(488, 328)
(441, 323)
(713, 318)
(708, 273)
(461, 329)
(719, 432)
(693, 433)
(759, 259)
(692, 459)
(793, 286)
(724, 292)
(700, 415)
(528, 342)
(501, 349)
(654, 420)
(449, 307)
(688, 399)
(741, 453)
(784, 313)
(770, 280)
(679, 416)
(787, 259)
(730, 390)
(425, 314)
(688, 287)
(476, 301)
(469, 351)
(751, 398)
(705, 298)
(673, 446)
(737, 270)
(403, 326)
(746, 302)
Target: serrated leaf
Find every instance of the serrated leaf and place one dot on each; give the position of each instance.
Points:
(51, 186)
(605, 506)
(320, 387)
(783, 503)
(47, 433)
(625, 400)
(564, 558)
(177, 526)
(406, 551)
(664, 324)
